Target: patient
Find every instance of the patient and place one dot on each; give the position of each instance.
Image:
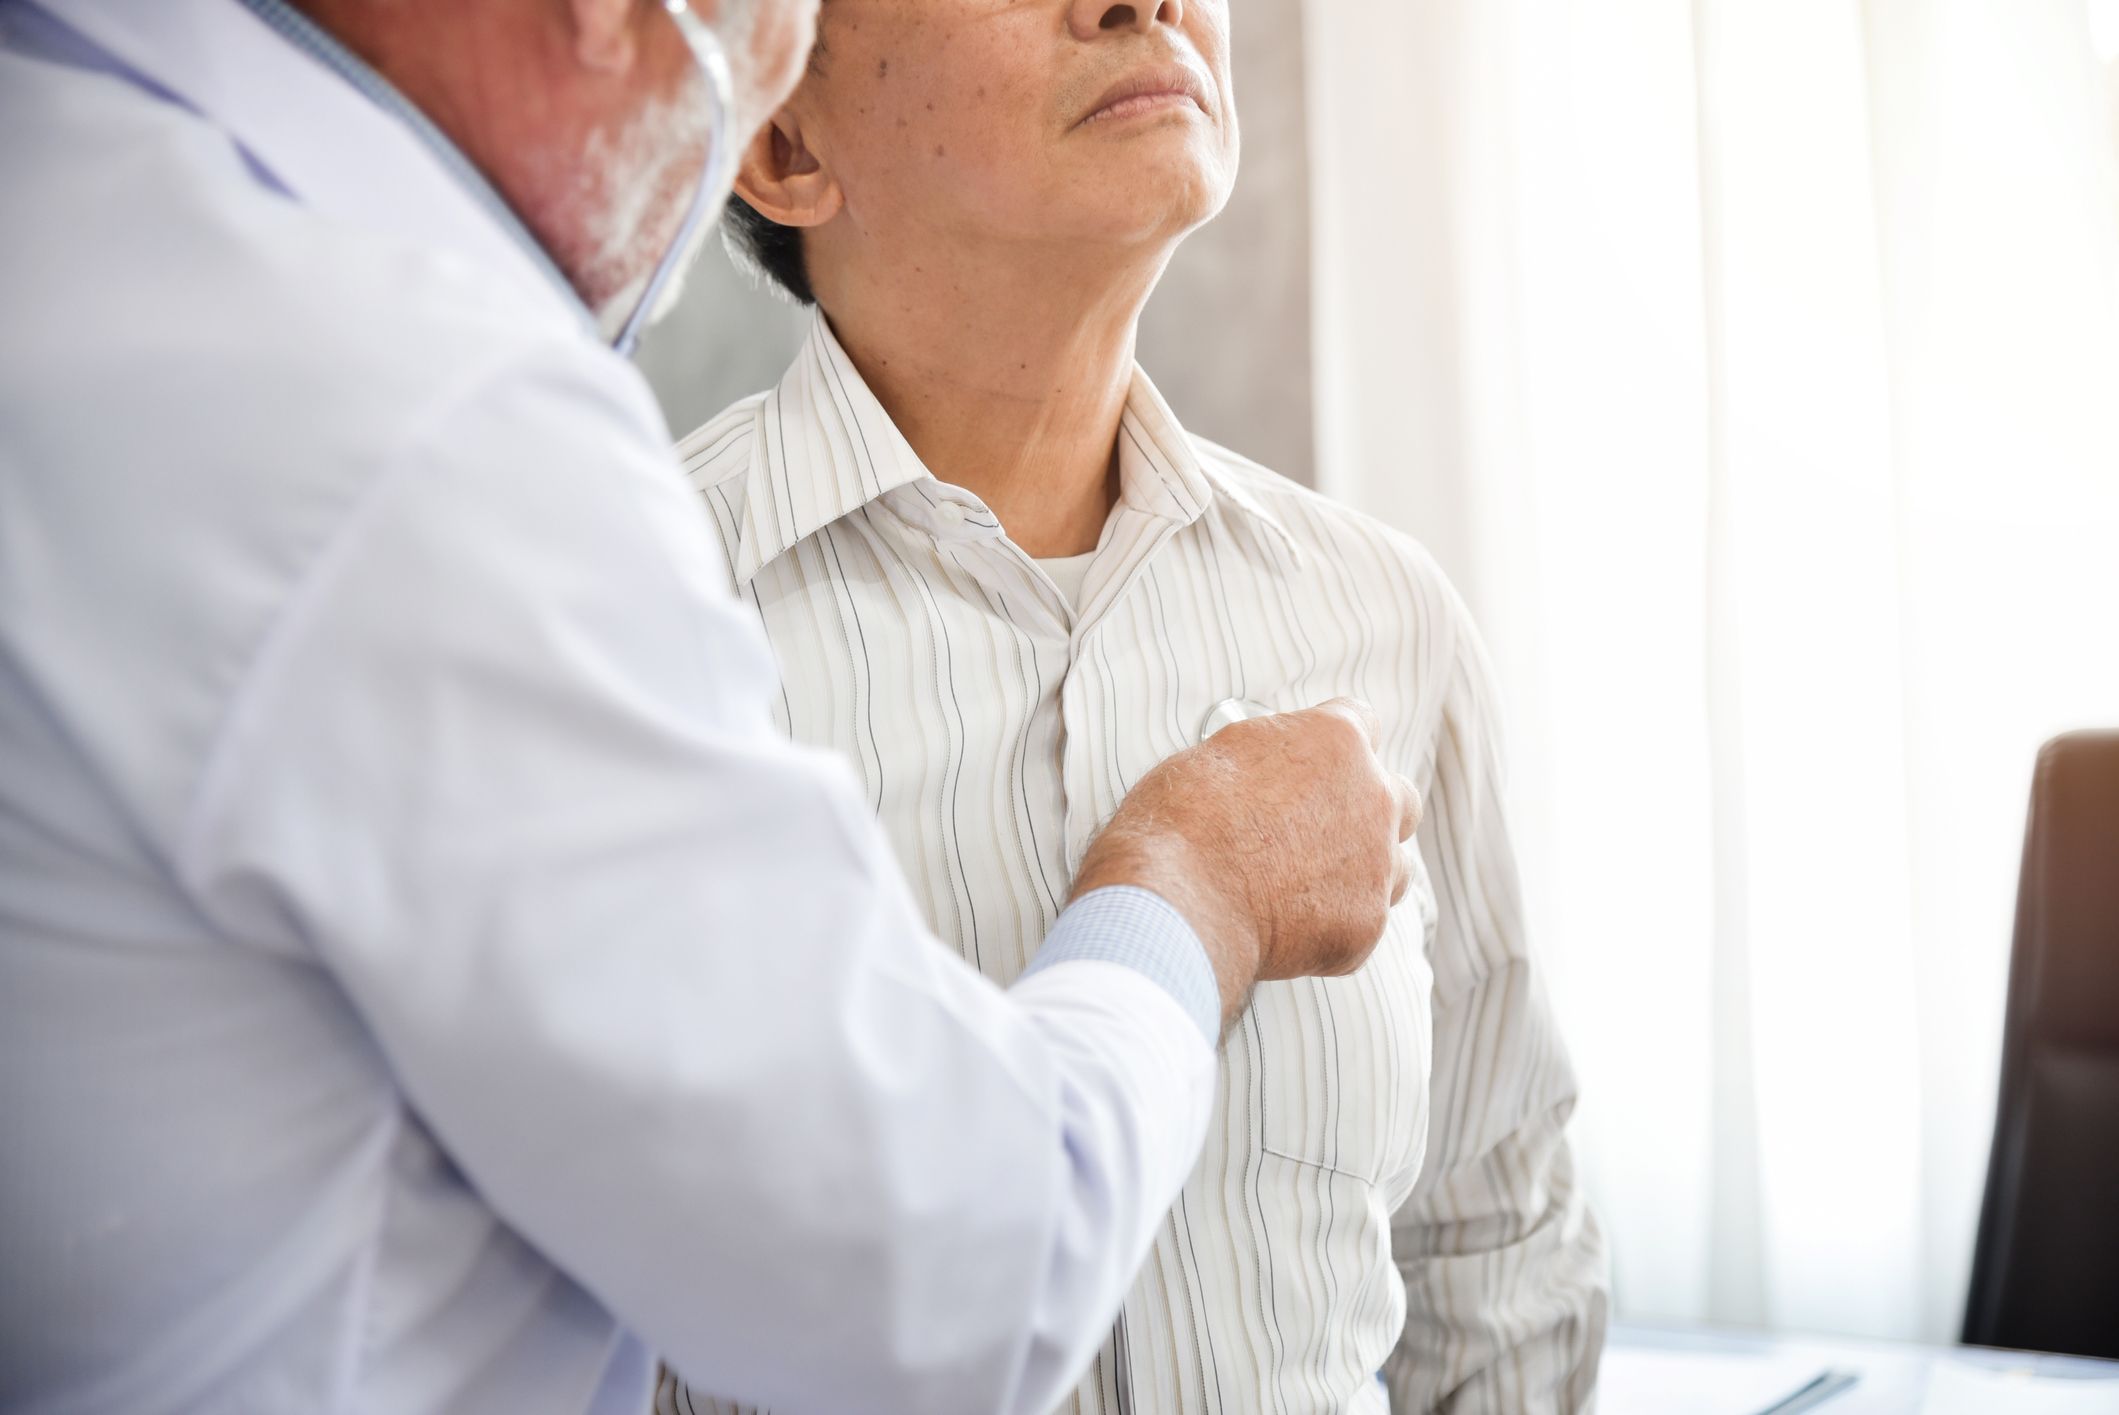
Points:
(1003, 581)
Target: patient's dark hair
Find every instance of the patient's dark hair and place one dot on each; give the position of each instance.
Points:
(775, 250)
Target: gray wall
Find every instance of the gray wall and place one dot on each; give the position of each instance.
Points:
(1227, 337)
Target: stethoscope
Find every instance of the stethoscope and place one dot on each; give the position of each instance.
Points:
(1228, 713)
(717, 174)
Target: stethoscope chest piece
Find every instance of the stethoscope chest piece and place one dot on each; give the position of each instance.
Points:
(1230, 711)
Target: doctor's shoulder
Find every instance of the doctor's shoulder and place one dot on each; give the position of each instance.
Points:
(158, 274)
(158, 277)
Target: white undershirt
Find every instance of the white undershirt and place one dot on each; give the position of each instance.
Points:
(1069, 573)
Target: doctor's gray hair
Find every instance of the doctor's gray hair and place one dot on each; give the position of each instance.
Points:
(766, 248)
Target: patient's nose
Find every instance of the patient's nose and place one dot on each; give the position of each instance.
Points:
(1089, 18)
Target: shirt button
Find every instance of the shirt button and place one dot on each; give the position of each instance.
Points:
(952, 513)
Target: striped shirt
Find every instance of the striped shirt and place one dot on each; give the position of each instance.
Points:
(1386, 1187)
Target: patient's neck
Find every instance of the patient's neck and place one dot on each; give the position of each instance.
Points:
(1008, 377)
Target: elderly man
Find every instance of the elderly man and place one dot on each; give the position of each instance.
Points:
(427, 982)
(1003, 582)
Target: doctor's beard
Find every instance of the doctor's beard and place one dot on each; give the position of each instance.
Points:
(639, 181)
(644, 178)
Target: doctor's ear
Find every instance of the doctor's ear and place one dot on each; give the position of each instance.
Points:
(783, 180)
(604, 34)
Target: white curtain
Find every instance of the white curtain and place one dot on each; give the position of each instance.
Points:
(1754, 367)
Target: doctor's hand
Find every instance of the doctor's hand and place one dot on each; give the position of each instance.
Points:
(1280, 839)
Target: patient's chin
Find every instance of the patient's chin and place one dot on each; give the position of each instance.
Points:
(1164, 203)
(1187, 182)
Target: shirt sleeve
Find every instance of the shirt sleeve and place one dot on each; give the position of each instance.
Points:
(1504, 1265)
(505, 766)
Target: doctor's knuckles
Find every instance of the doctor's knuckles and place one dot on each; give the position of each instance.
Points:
(1281, 838)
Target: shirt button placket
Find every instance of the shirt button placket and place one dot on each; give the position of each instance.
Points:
(1076, 772)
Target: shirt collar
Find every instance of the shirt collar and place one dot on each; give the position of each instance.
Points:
(1179, 483)
(829, 449)
(320, 125)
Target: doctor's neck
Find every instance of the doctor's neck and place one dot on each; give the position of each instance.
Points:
(1007, 368)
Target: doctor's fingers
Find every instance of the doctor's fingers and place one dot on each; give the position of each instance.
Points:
(1411, 810)
(1401, 872)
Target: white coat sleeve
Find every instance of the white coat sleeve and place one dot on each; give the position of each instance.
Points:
(648, 971)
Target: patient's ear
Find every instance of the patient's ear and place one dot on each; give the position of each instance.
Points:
(783, 180)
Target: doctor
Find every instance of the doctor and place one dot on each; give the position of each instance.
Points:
(426, 981)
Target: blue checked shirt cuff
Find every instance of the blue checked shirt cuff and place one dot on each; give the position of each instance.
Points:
(1142, 931)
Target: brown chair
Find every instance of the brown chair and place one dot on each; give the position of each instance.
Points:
(2045, 1273)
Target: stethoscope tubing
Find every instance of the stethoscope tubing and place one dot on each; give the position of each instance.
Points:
(717, 172)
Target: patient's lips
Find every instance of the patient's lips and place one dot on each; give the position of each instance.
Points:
(1150, 91)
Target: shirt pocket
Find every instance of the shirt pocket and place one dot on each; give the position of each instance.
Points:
(1334, 1071)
